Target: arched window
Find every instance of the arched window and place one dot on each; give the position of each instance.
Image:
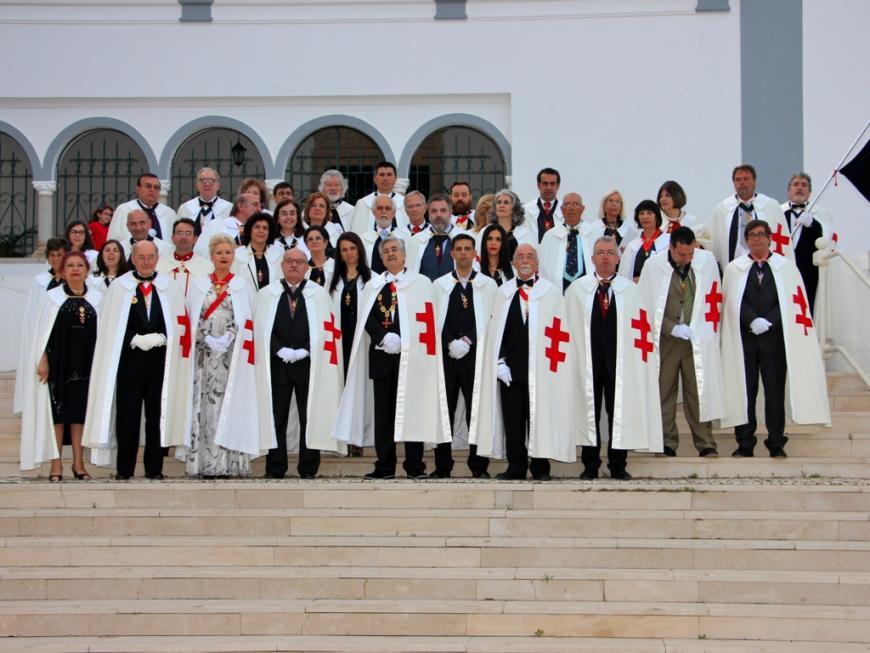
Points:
(17, 200)
(98, 166)
(457, 154)
(230, 153)
(342, 148)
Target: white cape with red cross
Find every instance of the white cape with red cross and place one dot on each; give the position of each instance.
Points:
(637, 417)
(99, 431)
(705, 322)
(765, 208)
(806, 391)
(551, 429)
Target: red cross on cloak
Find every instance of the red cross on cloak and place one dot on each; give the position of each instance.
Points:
(780, 239)
(802, 319)
(331, 346)
(557, 336)
(641, 323)
(184, 336)
(427, 335)
(248, 344)
(713, 299)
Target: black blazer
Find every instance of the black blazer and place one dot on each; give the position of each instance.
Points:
(515, 342)
(381, 364)
(290, 332)
(761, 300)
(138, 323)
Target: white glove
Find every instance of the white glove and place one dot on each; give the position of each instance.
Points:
(458, 349)
(759, 325)
(392, 343)
(214, 344)
(683, 331)
(156, 340)
(504, 373)
(227, 339)
(297, 355)
(140, 342)
(285, 354)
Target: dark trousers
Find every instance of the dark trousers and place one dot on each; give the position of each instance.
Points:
(276, 459)
(515, 414)
(459, 377)
(133, 387)
(771, 365)
(605, 388)
(386, 388)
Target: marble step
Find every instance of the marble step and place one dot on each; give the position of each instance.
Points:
(824, 623)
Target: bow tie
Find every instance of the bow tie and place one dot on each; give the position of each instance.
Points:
(182, 257)
(204, 204)
(528, 282)
(798, 206)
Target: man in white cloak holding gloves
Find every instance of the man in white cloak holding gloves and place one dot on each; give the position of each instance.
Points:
(142, 359)
(298, 352)
(768, 330)
(614, 360)
(396, 345)
(526, 391)
(682, 290)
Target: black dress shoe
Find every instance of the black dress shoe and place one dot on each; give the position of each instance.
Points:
(621, 475)
(273, 476)
(480, 474)
(740, 452)
(588, 475)
(379, 475)
(121, 477)
(307, 475)
(504, 476)
(708, 452)
(670, 453)
(543, 477)
(437, 474)
(154, 477)
(778, 453)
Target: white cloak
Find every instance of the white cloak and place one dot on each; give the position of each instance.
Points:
(655, 280)
(229, 226)
(628, 232)
(553, 251)
(325, 376)
(35, 297)
(637, 415)
(219, 210)
(822, 216)
(551, 392)
(484, 292)
(175, 417)
(418, 416)
(532, 211)
(702, 233)
(766, 208)
(38, 443)
(237, 430)
(244, 263)
(118, 226)
(183, 272)
(629, 255)
(370, 241)
(467, 225)
(363, 219)
(806, 390)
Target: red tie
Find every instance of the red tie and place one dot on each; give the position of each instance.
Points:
(416, 229)
(547, 206)
(146, 288)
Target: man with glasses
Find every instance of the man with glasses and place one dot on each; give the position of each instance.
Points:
(207, 206)
(768, 331)
(147, 199)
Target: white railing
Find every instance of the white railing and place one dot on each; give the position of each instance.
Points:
(822, 258)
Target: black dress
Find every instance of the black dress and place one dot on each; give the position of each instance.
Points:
(70, 352)
(348, 319)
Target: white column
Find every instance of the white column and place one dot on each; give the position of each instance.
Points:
(165, 187)
(402, 184)
(45, 191)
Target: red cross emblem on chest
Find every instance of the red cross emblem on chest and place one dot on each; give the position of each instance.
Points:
(248, 344)
(557, 336)
(782, 240)
(713, 299)
(641, 323)
(802, 319)
(427, 335)
(184, 337)
(331, 346)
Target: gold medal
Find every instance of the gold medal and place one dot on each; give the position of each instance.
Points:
(82, 314)
(135, 300)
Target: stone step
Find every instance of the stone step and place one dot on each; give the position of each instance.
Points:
(414, 644)
(845, 382)
(622, 585)
(435, 618)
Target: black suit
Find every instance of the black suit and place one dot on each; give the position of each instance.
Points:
(514, 350)
(602, 335)
(290, 330)
(384, 373)
(765, 355)
(459, 322)
(140, 379)
(803, 255)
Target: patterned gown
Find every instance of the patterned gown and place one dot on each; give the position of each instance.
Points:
(205, 458)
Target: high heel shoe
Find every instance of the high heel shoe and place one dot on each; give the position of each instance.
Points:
(83, 476)
(55, 478)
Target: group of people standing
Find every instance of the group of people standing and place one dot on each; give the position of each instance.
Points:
(512, 326)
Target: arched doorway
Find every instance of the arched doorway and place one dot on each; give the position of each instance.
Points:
(99, 166)
(457, 153)
(227, 151)
(342, 148)
(17, 200)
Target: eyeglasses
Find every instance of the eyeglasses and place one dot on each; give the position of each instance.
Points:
(757, 234)
(208, 181)
(77, 232)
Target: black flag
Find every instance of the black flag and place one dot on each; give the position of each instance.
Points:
(858, 171)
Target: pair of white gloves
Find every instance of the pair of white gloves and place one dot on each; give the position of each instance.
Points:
(291, 355)
(391, 344)
(683, 331)
(147, 341)
(759, 325)
(221, 344)
(458, 348)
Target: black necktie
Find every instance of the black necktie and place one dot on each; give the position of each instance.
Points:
(155, 223)
(747, 208)
(571, 263)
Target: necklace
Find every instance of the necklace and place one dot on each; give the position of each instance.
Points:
(218, 284)
(388, 311)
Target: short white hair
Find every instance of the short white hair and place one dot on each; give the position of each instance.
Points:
(332, 172)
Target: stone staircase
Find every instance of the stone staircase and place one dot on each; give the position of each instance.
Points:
(719, 555)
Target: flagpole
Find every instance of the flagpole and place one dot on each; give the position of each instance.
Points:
(837, 168)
